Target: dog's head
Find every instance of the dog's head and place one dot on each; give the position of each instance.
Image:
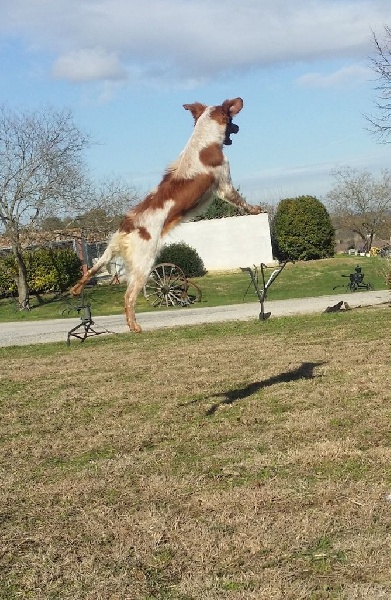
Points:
(222, 114)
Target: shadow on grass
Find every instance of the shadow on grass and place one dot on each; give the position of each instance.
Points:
(44, 299)
(36, 299)
(305, 371)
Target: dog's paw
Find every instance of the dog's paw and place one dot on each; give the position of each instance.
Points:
(134, 327)
(75, 290)
(255, 210)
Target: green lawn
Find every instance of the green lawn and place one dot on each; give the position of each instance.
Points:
(299, 280)
(200, 463)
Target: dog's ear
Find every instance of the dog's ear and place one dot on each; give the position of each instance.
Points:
(196, 109)
(232, 107)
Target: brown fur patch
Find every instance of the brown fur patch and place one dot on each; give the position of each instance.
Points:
(212, 156)
(186, 194)
(153, 200)
(223, 114)
(127, 224)
(144, 233)
(232, 107)
(196, 109)
(219, 115)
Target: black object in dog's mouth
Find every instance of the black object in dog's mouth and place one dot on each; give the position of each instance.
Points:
(231, 128)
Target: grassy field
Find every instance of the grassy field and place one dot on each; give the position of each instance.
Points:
(200, 463)
(303, 279)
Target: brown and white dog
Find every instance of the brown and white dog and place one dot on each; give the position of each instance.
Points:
(188, 186)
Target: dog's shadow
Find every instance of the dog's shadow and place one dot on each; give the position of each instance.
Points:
(305, 371)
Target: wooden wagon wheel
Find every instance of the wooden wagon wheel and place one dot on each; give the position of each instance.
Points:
(192, 293)
(167, 285)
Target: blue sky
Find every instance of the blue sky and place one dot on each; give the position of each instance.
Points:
(126, 67)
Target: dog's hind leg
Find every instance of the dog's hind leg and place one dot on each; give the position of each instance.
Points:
(103, 260)
(136, 283)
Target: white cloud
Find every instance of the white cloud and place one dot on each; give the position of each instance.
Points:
(190, 40)
(88, 64)
(270, 185)
(349, 75)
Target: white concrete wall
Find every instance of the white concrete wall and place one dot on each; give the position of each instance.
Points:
(228, 243)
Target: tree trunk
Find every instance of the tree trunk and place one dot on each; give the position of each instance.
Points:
(21, 279)
(363, 239)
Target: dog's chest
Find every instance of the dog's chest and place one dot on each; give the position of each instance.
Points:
(208, 160)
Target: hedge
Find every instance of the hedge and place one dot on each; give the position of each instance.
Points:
(185, 257)
(302, 230)
(48, 270)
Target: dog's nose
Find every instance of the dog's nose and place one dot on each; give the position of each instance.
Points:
(233, 128)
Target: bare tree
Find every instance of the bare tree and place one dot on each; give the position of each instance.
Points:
(270, 209)
(104, 205)
(113, 197)
(41, 168)
(362, 204)
(380, 125)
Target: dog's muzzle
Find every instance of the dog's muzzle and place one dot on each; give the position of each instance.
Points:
(231, 128)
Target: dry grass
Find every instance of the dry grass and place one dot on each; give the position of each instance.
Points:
(236, 461)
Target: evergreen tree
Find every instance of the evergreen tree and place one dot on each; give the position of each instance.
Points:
(302, 230)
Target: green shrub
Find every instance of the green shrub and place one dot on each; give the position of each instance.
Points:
(302, 230)
(48, 270)
(219, 209)
(8, 273)
(185, 257)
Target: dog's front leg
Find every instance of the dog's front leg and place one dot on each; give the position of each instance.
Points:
(236, 199)
(227, 192)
